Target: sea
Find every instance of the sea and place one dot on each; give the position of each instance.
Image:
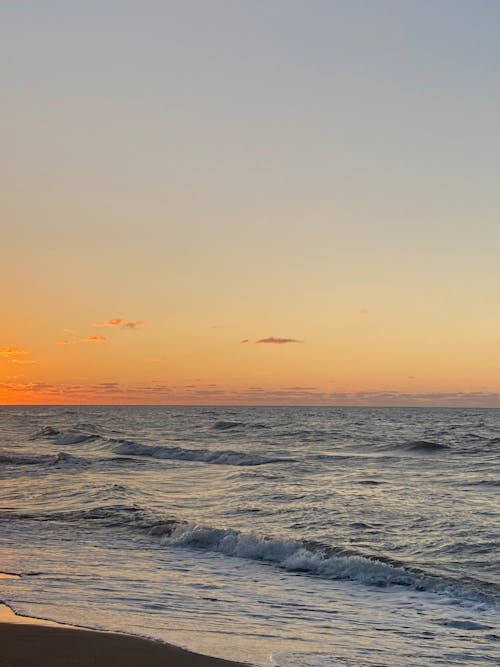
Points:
(286, 536)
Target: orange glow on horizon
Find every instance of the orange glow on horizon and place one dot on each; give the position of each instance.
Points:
(178, 229)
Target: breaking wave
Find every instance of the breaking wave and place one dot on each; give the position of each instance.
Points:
(46, 432)
(74, 438)
(217, 457)
(293, 555)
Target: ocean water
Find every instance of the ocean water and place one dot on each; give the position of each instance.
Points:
(299, 537)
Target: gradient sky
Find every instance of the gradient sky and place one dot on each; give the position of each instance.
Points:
(179, 177)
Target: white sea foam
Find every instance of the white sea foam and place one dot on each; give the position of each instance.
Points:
(293, 556)
(46, 432)
(218, 457)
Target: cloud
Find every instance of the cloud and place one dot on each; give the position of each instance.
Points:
(243, 341)
(111, 322)
(9, 352)
(12, 392)
(120, 322)
(133, 325)
(278, 341)
(66, 341)
(94, 339)
(300, 388)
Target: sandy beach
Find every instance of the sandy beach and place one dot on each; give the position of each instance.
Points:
(31, 642)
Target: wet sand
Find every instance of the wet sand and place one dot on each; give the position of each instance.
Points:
(31, 642)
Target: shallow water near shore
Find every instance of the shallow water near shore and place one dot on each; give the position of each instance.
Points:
(305, 536)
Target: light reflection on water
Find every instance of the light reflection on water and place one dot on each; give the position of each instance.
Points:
(405, 486)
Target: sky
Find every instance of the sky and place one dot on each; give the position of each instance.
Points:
(250, 202)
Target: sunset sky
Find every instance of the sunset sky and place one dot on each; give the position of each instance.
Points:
(257, 202)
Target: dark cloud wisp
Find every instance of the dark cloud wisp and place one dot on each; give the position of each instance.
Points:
(275, 340)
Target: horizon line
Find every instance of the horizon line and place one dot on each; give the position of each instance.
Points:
(245, 405)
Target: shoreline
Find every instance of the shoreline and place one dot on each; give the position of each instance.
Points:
(38, 645)
(32, 642)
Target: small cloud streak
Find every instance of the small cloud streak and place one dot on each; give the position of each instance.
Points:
(9, 352)
(133, 325)
(156, 392)
(273, 340)
(94, 339)
(121, 323)
(244, 341)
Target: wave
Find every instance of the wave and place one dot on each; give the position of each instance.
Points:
(61, 458)
(46, 432)
(222, 425)
(301, 557)
(226, 425)
(482, 482)
(24, 459)
(310, 558)
(74, 438)
(293, 555)
(465, 625)
(110, 516)
(217, 457)
(425, 446)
